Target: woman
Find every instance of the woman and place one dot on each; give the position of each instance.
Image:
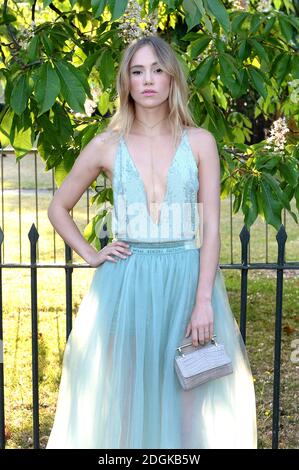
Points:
(153, 286)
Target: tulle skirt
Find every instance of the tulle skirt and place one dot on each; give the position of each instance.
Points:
(119, 388)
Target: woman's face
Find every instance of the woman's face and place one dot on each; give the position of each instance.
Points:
(146, 73)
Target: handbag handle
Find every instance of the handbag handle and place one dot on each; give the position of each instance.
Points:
(190, 344)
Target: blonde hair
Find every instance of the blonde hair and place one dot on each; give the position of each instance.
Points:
(179, 115)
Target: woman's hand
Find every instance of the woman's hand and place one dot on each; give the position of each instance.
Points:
(105, 254)
(201, 324)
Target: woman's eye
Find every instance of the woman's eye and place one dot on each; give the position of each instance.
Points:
(138, 71)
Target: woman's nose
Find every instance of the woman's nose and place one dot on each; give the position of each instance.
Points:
(148, 77)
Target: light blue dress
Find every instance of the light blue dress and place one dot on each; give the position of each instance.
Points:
(119, 388)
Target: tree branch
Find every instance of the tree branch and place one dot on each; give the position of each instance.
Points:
(9, 28)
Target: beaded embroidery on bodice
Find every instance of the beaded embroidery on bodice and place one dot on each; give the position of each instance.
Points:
(178, 214)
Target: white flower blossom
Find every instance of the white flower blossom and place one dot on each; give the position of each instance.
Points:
(240, 4)
(95, 91)
(89, 106)
(24, 37)
(133, 26)
(277, 138)
(264, 6)
(294, 90)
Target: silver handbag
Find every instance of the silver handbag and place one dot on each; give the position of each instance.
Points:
(200, 364)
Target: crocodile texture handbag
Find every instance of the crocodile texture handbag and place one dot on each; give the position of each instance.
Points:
(200, 364)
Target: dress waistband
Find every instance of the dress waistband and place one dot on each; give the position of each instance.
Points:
(161, 247)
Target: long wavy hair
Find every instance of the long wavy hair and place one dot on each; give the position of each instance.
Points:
(179, 114)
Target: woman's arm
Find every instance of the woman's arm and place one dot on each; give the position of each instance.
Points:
(84, 171)
(202, 322)
(209, 198)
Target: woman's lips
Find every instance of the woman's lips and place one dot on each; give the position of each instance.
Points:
(149, 93)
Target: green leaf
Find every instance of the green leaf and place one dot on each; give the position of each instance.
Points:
(231, 61)
(226, 187)
(32, 49)
(270, 22)
(237, 202)
(293, 20)
(205, 17)
(97, 7)
(267, 162)
(106, 69)
(244, 50)
(279, 194)
(228, 70)
(281, 67)
(6, 127)
(10, 78)
(71, 87)
(259, 200)
(241, 85)
(47, 88)
(204, 72)
(217, 122)
(259, 49)
(103, 105)
(295, 66)
(286, 28)
(256, 21)
(60, 173)
(289, 170)
(171, 4)
(62, 123)
(22, 136)
(89, 230)
(20, 94)
(117, 8)
(192, 13)
(81, 76)
(153, 4)
(220, 45)
(238, 20)
(7, 18)
(47, 43)
(296, 194)
(257, 80)
(197, 47)
(88, 133)
(196, 106)
(217, 8)
(249, 202)
(271, 207)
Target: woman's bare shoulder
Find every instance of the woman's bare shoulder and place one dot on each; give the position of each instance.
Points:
(105, 137)
(201, 141)
(200, 132)
(105, 145)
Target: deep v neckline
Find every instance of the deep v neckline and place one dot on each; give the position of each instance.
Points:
(166, 191)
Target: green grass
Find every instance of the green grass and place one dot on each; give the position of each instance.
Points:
(51, 313)
(17, 346)
(17, 349)
(260, 347)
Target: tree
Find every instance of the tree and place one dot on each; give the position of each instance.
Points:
(240, 58)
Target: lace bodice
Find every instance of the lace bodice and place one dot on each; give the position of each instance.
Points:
(178, 218)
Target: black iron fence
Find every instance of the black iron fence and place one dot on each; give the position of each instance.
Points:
(26, 180)
(68, 266)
